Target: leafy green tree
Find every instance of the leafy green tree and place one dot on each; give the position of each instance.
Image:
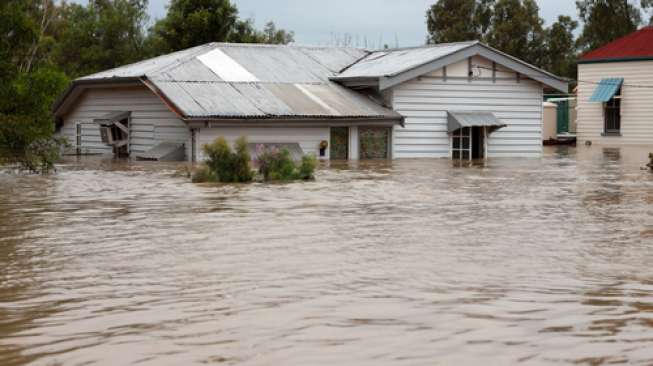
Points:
(517, 29)
(26, 123)
(458, 20)
(16, 33)
(277, 36)
(102, 35)
(190, 23)
(244, 32)
(607, 20)
(561, 48)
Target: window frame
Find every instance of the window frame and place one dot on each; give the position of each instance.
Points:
(612, 115)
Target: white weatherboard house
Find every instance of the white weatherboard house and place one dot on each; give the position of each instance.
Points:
(458, 100)
(615, 92)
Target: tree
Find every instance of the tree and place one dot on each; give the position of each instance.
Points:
(16, 33)
(458, 20)
(190, 23)
(102, 35)
(277, 36)
(244, 32)
(28, 86)
(607, 20)
(516, 29)
(561, 49)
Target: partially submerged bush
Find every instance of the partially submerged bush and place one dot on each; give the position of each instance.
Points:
(277, 165)
(228, 166)
(225, 165)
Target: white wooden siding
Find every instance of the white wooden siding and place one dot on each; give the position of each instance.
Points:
(151, 120)
(308, 138)
(425, 101)
(636, 103)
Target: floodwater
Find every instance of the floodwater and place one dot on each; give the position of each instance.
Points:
(515, 261)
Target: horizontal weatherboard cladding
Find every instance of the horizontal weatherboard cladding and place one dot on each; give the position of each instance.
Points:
(151, 120)
(424, 103)
(636, 105)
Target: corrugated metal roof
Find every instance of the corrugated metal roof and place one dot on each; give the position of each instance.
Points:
(458, 119)
(393, 62)
(606, 89)
(636, 45)
(222, 80)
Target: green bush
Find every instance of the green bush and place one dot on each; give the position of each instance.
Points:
(277, 165)
(203, 174)
(26, 123)
(225, 165)
(307, 167)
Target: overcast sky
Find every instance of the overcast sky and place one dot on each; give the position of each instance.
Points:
(318, 21)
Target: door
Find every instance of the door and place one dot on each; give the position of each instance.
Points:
(339, 144)
(374, 142)
(562, 117)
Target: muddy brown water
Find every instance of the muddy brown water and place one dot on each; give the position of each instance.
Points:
(416, 262)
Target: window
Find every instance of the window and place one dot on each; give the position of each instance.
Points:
(612, 116)
(461, 144)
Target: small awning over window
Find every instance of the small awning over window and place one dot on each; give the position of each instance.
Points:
(458, 120)
(111, 118)
(606, 89)
(296, 152)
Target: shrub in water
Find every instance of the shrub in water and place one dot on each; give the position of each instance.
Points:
(277, 165)
(224, 165)
(307, 167)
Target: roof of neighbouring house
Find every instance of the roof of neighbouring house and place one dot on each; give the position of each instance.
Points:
(632, 47)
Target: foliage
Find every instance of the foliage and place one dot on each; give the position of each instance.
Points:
(512, 26)
(190, 23)
(607, 20)
(25, 121)
(225, 165)
(101, 35)
(516, 29)
(203, 174)
(277, 165)
(458, 20)
(307, 167)
(561, 50)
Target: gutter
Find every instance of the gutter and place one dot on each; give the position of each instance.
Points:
(619, 59)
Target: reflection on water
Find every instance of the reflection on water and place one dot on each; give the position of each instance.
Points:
(410, 262)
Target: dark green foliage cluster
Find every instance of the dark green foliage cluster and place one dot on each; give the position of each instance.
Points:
(277, 165)
(28, 87)
(515, 27)
(225, 165)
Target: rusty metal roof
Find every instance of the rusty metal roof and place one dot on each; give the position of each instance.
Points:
(244, 81)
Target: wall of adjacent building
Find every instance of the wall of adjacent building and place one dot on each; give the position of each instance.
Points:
(636, 103)
(424, 102)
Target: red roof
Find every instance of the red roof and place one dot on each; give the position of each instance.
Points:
(636, 45)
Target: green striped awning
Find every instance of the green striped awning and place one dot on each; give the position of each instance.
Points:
(606, 89)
